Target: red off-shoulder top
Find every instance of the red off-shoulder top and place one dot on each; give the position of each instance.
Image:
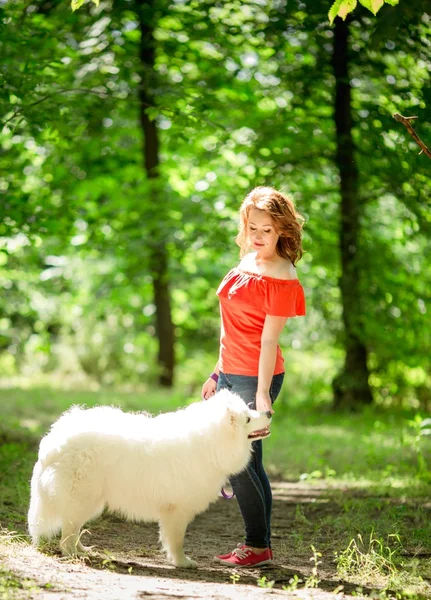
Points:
(245, 301)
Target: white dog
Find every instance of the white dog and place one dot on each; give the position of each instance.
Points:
(166, 468)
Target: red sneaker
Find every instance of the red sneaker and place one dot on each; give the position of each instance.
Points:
(239, 545)
(245, 557)
(224, 556)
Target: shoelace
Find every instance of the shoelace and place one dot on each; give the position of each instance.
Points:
(242, 552)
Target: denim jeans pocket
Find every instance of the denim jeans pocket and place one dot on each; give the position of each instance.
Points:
(243, 385)
(223, 382)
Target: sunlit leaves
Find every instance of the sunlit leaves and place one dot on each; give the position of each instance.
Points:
(341, 8)
(78, 3)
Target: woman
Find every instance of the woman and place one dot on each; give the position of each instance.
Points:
(256, 299)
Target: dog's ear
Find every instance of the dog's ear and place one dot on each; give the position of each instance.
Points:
(233, 418)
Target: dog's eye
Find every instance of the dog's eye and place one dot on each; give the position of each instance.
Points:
(248, 420)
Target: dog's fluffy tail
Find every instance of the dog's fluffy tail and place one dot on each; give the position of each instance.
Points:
(41, 521)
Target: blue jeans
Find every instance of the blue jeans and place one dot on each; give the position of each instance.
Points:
(251, 486)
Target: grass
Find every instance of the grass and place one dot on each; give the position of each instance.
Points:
(11, 585)
(14, 585)
(369, 558)
(375, 450)
(370, 518)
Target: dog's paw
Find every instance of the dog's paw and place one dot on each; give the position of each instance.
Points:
(186, 563)
(75, 550)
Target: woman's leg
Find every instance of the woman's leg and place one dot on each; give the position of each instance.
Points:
(251, 486)
(277, 382)
(246, 485)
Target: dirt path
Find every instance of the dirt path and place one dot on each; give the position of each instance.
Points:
(128, 563)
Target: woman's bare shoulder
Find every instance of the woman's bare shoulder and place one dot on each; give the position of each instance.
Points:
(286, 270)
(279, 269)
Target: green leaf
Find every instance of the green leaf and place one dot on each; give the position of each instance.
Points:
(333, 11)
(153, 112)
(78, 3)
(341, 8)
(373, 5)
(376, 5)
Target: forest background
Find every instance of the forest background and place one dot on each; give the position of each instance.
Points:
(130, 133)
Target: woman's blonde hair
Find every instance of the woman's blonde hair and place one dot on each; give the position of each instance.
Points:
(287, 222)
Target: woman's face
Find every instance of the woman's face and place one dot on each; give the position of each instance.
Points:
(261, 232)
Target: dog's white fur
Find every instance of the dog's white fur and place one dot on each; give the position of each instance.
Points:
(166, 468)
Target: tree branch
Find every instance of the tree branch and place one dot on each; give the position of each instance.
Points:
(406, 122)
(23, 107)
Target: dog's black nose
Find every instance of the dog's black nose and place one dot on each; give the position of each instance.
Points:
(268, 414)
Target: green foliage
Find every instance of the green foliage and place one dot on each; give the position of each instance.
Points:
(341, 8)
(313, 580)
(392, 452)
(78, 3)
(264, 582)
(294, 583)
(13, 586)
(369, 559)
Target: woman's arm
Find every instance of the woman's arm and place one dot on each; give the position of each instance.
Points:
(272, 328)
(210, 385)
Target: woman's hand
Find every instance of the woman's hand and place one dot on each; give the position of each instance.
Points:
(263, 402)
(208, 389)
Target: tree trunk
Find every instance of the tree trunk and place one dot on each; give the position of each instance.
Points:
(350, 386)
(146, 11)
